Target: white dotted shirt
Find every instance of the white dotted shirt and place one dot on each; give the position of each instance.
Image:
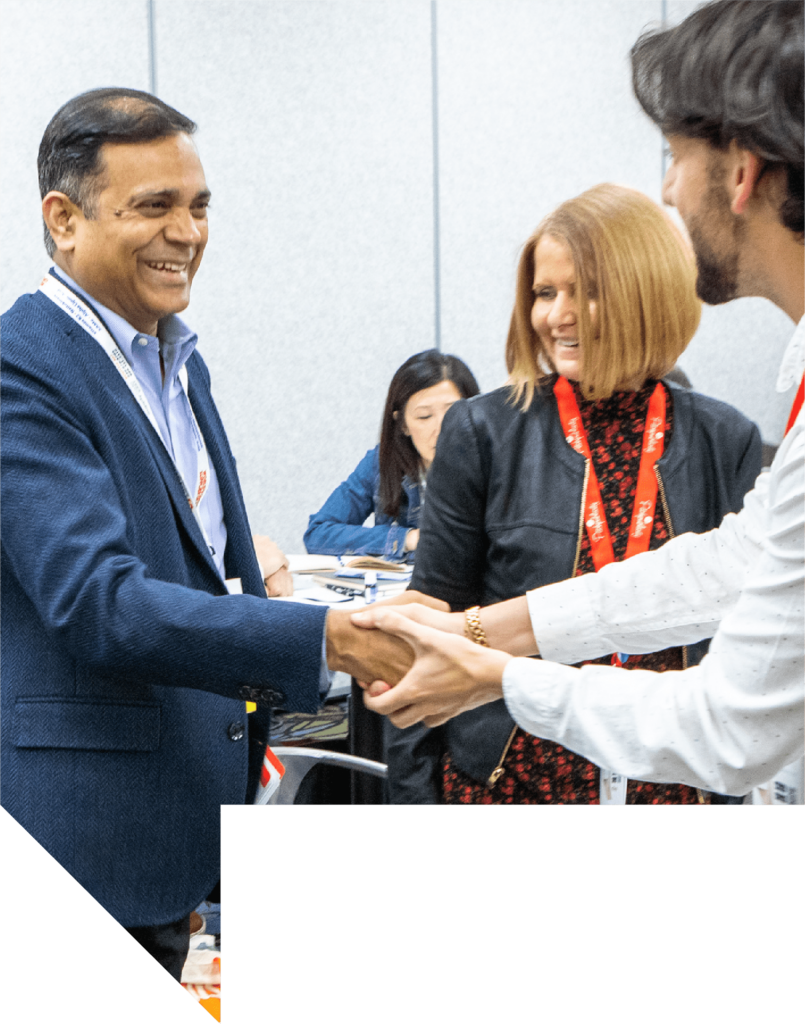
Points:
(727, 724)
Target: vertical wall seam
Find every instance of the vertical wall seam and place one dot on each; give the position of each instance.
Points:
(663, 156)
(152, 48)
(437, 310)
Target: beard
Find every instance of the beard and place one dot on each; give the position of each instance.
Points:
(716, 275)
(717, 271)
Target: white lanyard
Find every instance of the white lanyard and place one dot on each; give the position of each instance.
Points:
(72, 305)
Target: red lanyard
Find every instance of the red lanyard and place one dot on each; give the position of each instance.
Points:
(646, 491)
(797, 404)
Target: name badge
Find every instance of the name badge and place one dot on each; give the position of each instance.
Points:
(612, 788)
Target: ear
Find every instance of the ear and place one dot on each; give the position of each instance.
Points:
(61, 216)
(745, 171)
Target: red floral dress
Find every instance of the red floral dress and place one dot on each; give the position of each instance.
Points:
(538, 771)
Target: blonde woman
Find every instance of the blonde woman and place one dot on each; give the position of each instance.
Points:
(587, 456)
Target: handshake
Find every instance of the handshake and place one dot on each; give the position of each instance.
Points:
(412, 659)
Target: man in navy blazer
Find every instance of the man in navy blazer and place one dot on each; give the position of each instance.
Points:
(127, 656)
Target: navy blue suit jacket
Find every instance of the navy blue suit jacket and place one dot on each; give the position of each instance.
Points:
(125, 661)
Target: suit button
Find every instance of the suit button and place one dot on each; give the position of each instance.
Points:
(236, 731)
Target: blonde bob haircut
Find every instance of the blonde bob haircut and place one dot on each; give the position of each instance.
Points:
(633, 261)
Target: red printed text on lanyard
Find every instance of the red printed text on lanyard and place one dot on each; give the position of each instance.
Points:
(645, 501)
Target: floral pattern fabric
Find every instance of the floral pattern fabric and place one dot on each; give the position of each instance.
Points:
(538, 771)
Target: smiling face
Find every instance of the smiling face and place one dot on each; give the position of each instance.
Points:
(554, 315)
(423, 415)
(140, 251)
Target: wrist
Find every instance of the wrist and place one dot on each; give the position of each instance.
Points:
(487, 664)
(486, 668)
(336, 629)
(457, 623)
(473, 630)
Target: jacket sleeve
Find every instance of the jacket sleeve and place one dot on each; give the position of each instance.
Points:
(451, 552)
(337, 528)
(749, 461)
(110, 575)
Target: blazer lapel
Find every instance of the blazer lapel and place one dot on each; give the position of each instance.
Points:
(101, 365)
(240, 559)
(173, 484)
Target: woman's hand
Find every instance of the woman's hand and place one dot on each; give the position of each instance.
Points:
(416, 607)
(408, 597)
(450, 674)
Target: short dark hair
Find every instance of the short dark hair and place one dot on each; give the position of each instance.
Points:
(69, 158)
(732, 70)
(397, 456)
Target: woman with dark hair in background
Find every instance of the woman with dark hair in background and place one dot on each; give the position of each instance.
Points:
(389, 481)
(586, 457)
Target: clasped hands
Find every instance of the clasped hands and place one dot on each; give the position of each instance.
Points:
(419, 665)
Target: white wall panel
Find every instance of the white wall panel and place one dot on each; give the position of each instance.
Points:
(53, 50)
(315, 132)
(535, 105)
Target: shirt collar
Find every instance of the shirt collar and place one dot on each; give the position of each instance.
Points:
(176, 339)
(793, 364)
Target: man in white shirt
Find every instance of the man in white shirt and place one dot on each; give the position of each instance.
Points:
(735, 132)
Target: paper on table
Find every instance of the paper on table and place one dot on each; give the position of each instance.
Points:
(312, 563)
(371, 562)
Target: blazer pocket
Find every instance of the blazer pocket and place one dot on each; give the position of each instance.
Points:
(79, 724)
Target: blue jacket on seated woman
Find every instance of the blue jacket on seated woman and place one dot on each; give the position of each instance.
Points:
(337, 528)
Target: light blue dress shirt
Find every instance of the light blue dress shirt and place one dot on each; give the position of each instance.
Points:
(168, 403)
(170, 408)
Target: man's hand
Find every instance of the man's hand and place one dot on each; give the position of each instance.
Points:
(279, 583)
(435, 614)
(450, 674)
(365, 653)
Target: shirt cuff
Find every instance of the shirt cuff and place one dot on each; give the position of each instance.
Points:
(563, 621)
(529, 691)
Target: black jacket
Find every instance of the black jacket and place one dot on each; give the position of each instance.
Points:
(503, 516)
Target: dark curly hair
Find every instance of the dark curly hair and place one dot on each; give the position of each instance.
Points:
(732, 70)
